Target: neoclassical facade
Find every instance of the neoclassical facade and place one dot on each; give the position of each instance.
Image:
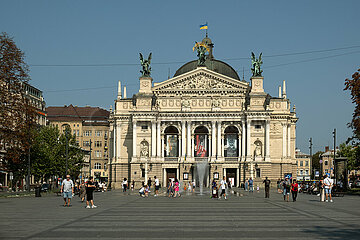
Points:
(203, 114)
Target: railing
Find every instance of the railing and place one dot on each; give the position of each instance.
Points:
(171, 159)
(201, 159)
(231, 159)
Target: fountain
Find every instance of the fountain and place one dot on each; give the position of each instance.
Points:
(201, 173)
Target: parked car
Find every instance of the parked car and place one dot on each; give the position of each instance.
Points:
(356, 184)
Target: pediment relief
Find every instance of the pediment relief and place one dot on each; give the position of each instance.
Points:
(201, 80)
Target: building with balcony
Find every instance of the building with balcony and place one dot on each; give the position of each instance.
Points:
(205, 115)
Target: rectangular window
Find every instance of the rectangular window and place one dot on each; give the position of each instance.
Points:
(301, 163)
(301, 172)
(143, 172)
(98, 144)
(97, 165)
(105, 134)
(86, 143)
(258, 173)
(257, 126)
(306, 163)
(87, 133)
(326, 162)
(74, 132)
(144, 127)
(77, 133)
(306, 172)
(98, 153)
(98, 133)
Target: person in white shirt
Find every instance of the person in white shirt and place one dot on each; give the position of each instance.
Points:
(328, 184)
(67, 189)
(157, 186)
(125, 184)
(223, 188)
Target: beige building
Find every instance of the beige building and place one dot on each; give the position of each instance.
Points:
(327, 161)
(202, 117)
(303, 166)
(90, 125)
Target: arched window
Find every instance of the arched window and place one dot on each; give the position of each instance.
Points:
(171, 143)
(201, 141)
(231, 143)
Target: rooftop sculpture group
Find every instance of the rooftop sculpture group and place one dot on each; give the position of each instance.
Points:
(145, 63)
(256, 63)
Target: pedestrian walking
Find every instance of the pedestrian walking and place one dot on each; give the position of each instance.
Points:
(193, 185)
(90, 188)
(170, 188)
(246, 184)
(267, 187)
(125, 185)
(223, 188)
(251, 185)
(189, 187)
(82, 191)
(328, 184)
(278, 185)
(294, 190)
(286, 186)
(149, 183)
(67, 189)
(157, 186)
(177, 188)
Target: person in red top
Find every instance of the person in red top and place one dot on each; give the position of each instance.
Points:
(294, 190)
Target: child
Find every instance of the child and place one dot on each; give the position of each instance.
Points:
(258, 188)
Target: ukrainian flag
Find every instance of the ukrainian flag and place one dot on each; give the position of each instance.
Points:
(205, 26)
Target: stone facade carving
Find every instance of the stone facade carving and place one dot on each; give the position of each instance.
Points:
(144, 149)
(258, 149)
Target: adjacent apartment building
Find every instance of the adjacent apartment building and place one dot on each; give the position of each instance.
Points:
(303, 165)
(90, 125)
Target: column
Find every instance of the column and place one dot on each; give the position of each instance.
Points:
(153, 139)
(134, 139)
(288, 140)
(237, 184)
(158, 140)
(210, 147)
(164, 177)
(284, 141)
(178, 174)
(243, 134)
(118, 141)
(252, 170)
(213, 139)
(162, 146)
(183, 146)
(267, 139)
(219, 153)
(248, 138)
(224, 172)
(188, 139)
(146, 171)
(114, 141)
(192, 146)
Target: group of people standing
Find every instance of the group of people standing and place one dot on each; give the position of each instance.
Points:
(287, 187)
(88, 188)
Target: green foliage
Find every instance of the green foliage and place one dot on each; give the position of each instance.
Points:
(316, 160)
(352, 153)
(48, 153)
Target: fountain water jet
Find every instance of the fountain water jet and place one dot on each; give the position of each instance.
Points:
(201, 173)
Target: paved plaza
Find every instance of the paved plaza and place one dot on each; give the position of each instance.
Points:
(245, 216)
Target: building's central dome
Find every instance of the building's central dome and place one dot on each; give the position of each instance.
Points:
(210, 63)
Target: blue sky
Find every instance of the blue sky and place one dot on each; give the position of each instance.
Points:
(114, 32)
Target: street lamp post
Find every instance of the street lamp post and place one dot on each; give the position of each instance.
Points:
(334, 135)
(310, 147)
(66, 151)
(90, 160)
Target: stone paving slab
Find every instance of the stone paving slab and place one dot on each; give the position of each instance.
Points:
(123, 216)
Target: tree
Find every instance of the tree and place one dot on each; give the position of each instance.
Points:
(353, 85)
(48, 153)
(17, 116)
(351, 153)
(315, 164)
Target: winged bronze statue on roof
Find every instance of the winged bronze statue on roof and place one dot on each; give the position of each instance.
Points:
(256, 63)
(145, 63)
